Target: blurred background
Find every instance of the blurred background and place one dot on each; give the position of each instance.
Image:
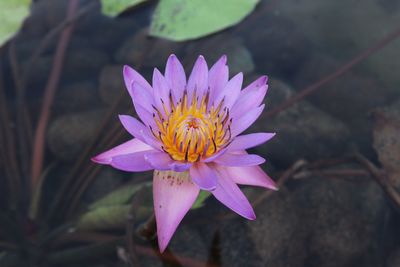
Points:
(333, 99)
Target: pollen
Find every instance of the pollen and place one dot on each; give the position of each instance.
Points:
(191, 130)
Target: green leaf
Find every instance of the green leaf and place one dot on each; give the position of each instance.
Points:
(200, 199)
(12, 14)
(180, 20)
(119, 196)
(114, 7)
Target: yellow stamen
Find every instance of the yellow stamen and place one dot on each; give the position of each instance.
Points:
(190, 131)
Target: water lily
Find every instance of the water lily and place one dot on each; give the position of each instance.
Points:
(189, 134)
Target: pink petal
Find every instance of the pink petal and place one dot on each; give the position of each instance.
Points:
(247, 141)
(134, 145)
(161, 92)
(180, 166)
(233, 160)
(229, 194)
(252, 175)
(242, 123)
(134, 162)
(174, 194)
(130, 76)
(230, 92)
(175, 76)
(247, 101)
(203, 176)
(198, 79)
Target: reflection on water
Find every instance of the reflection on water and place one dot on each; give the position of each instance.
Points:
(332, 214)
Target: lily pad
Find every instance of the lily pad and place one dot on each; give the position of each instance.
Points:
(180, 20)
(113, 8)
(12, 14)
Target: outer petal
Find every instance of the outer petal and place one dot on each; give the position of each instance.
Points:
(239, 160)
(252, 175)
(244, 122)
(174, 194)
(203, 176)
(142, 96)
(230, 92)
(248, 101)
(244, 142)
(159, 160)
(138, 130)
(134, 145)
(175, 76)
(180, 166)
(130, 76)
(230, 195)
(256, 84)
(134, 162)
(198, 79)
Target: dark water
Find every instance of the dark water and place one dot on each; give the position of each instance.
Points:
(329, 212)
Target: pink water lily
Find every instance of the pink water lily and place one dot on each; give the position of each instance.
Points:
(189, 134)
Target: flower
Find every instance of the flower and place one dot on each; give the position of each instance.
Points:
(188, 133)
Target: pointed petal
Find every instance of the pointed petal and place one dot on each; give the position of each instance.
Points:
(247, 141)
(248, 101)
(198, 79)
(174, 194)
(256, 84)
(134, 145)
(218, 77)
(175, 76)
(134, 162)
(229, 194)
(242, 123)
(231, 91)
(232, 160)
(203, 176)
(130, 76)
(252, 175)
(161, 92)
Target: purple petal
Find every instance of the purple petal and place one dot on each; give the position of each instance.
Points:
(218, 77)
(229, 194)
(233, 160)
(175, 76)
(134, 145)
(252, 175)
(161, 92)
(247, 141)
(247, 101)
(130, 76)
(256, 84)
(180, 166)
(159, 160)
(134, 162)
(174, 194)
(215, 156)
(138, 130)
(230, 92)
(203, 176)
(145, 116)
(142, 96)
(242, 123)
(198, 79)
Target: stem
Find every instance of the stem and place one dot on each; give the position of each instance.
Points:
(38, 147)
(318, 85)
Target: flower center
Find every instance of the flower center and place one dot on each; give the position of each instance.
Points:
(191, 130)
